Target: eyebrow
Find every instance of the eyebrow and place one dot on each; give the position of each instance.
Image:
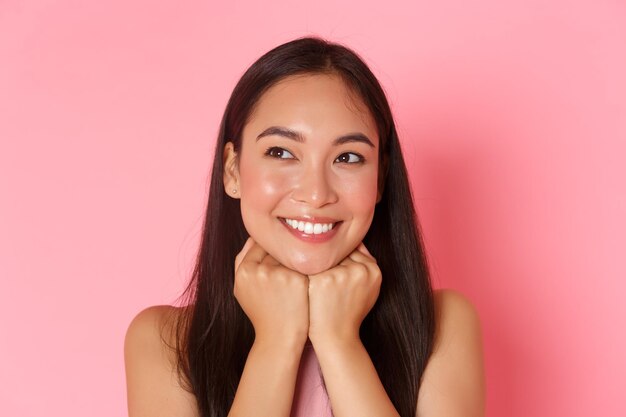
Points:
(298, 137)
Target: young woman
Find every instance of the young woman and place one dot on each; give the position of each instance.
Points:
(311, 294)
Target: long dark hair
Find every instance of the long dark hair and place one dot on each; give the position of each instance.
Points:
(213, 334)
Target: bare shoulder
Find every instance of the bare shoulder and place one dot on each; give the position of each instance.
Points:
(153, 385)
(454, 309)
(453, 382)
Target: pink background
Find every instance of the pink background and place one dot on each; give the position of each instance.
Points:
(513, 121)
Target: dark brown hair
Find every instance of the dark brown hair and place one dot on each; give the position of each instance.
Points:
(214, 336)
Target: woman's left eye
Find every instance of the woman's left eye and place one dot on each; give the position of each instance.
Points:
(350, 158)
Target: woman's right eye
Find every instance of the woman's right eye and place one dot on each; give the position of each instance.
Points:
(276, 152)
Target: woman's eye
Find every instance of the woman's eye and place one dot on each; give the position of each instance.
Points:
(350, 158)
(276, 152)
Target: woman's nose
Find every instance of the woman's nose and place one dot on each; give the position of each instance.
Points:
(314, 188)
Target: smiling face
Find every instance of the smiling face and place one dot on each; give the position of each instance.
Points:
(309, 154)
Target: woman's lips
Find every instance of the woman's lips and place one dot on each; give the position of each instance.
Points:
(312, 219)
(311, 237)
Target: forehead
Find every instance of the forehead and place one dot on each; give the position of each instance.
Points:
(320, 102)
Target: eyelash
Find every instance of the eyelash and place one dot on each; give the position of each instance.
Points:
(269, 150)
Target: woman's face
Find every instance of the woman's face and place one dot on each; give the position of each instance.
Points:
(309, 159)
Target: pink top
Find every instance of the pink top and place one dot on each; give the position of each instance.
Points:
(310, 398)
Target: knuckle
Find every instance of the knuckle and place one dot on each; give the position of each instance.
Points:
(244, 268)
(360, 271)
(339, 275)
(262, 271)
(314, 283)
(376, 272)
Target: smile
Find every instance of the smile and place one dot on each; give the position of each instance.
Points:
(310, 228)
(311, 231)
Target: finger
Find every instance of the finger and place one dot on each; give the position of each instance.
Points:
(363, 249)
(346, 261)
(242, 253)
(270, 260)
(360, 257)
(255, 254)
(357, 256)
(246, 247)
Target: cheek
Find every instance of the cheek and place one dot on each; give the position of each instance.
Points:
(261, 187)
(361, 194)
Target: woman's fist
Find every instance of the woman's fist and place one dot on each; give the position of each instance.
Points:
(341, 297)
(274, 298)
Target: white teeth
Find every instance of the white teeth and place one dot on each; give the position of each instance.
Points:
(310, 228)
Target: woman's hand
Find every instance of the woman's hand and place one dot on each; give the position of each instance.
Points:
(274, 297)
(341, 297)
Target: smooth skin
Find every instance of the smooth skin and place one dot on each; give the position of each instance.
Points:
(453, 383)
(277, 176)
(328, 307)
(300, 290)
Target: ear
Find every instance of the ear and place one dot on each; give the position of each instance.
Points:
(231, 171)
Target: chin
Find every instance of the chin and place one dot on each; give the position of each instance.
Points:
(309, 266)
(309, 269)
